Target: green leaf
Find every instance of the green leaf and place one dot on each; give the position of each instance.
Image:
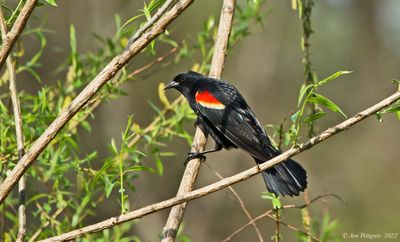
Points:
(276, 203)
(52, 3)
(395, 81)
(333, 76)
(314, 116)
(303, 90)
(379, 117)
(318, 98)
(295, 116)
(140, 168)
(392, 109)
(109, 189)
(113, 147)
(160, 166)
(130, 21)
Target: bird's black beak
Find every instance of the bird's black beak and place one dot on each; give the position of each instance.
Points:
(172, 84)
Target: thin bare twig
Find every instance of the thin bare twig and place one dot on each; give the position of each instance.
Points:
(16, 30)
(151, 21)
(244, 175)
(88, 92)
(268, 214)
(47, 223)
(240, 201)
(157, 60)
(200, 139)
(18, 131)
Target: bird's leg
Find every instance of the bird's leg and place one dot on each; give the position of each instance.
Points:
(201, 155)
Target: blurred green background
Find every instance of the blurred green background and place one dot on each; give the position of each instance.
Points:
(360, 165)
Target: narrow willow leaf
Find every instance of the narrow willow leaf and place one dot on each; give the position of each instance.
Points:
(318, 98)
(109, 189)
(160, 166)
(392, 109)
(395, 81)
(314, 116)
(333, 76)
(303, 90)
(295, 116)
(52, 2)
(113, 147)
(130, 21)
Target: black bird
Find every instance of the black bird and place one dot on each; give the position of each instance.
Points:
(223, 113)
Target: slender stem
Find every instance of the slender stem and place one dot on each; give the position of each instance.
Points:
(14, 13)
(277, 223)
(242, 176)
(305, 15)
(121, 178)
(18, 131)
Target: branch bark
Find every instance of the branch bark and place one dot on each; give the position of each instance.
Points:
(16, 30)
(88, 92)
(139, 213)
(18, 131)
(200, 139)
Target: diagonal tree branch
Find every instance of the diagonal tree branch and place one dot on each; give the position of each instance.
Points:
(200, 139)
(244, 175)
(18, 131)
(88, 92)
(16, 30)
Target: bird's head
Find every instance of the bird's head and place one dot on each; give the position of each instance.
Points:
(184, 82)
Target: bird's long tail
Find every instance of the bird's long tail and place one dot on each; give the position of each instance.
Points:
(286, 178)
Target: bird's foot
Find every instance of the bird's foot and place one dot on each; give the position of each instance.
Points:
(195, 155)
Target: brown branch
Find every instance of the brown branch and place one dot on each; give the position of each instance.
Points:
(201, 192)
(18, 131)
(268, 214)
(240, 201)
(16, 30)
(88, 92)
(200, 139)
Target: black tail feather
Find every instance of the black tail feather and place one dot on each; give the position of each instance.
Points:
(286, 178)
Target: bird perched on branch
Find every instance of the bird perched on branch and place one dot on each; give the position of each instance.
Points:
(223, 113)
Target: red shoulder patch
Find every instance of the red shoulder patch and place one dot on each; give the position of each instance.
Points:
(206, 99)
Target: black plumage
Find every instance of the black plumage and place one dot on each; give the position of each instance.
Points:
(223, 113)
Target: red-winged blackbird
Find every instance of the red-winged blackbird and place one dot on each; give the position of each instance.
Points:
(224, 114)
